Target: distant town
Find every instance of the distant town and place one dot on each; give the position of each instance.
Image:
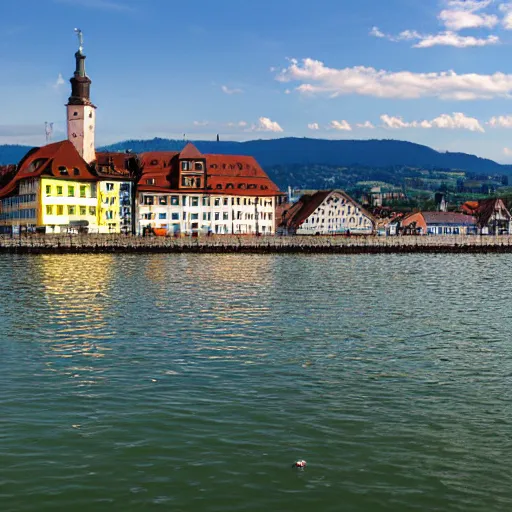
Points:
(70, 187)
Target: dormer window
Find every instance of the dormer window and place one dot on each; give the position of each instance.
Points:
(150, 181)
(153, 162)
(63, 171)
(76, 171)
(185, 166)
(198, 166)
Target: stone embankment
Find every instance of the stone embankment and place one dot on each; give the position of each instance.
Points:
(74, 244)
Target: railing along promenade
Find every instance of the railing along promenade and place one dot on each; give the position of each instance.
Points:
(62, 244)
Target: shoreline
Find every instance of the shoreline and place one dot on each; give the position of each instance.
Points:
(230, 244)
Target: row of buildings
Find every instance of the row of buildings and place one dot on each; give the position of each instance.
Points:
(69, 186)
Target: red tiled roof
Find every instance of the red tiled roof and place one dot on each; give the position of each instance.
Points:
(47, 161)
(114, 165)
(190, 152)
(225, 174)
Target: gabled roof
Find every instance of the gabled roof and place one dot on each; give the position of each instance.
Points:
(58, 160)
(190, 152)
(308, 203)
(487, 207)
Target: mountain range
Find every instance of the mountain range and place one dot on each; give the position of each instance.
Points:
(310, 152)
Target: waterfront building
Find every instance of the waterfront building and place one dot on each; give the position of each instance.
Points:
(327, 212)
(66, 186)
(188, 192)
(492, 215)
(439, 223)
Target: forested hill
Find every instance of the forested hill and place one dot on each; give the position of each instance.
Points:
(286, 151)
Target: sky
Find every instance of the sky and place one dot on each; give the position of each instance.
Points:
(436, 72)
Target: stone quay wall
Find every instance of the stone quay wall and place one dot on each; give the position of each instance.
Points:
(75, 244)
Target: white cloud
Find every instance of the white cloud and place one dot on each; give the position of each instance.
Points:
(507, 151)
(340, 125)
(265, 124)
(507, 18)
(227, 90)
(447, 38)
(376, 32)
(462, 15)
(316, 78)
(500, 122)
(457, 120)
(453, 39)
(239, 124)
(201, 123)
(287, 91)
(313, 126)
(59, 82)
(366, 124)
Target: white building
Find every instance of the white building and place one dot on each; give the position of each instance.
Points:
(327, 212)
(189, 192)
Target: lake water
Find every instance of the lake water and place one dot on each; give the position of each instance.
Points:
(193, 382)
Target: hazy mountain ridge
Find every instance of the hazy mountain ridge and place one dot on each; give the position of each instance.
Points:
(310, 152)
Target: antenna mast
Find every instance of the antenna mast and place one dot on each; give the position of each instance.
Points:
(48, 130)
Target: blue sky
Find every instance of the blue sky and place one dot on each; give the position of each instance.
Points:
(437, 72)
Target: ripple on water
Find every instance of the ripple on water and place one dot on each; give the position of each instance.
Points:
(193, 382)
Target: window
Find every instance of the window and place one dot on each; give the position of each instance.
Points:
(175, 216)
(225, 216)
(194, 201)
(162, 216)
(112, 200)
(83, 191)
(238, 201)
(185, 166)
(147, 216)
(59, 190)
(48, 190)
(206, 200)
(216, 201)
(63, 171)
(71, 191)
(76, 171)
(184, 200)
(92, 210)
(217, 216)
(49, 210)
(71, 210)
(60, 210)
(83, 211)
(206, 216)
(110, 187)
(226, 201)
(198, 166)
(175, 200)
(150, 181)
(149, 200)
(162, 200)
(194, 216)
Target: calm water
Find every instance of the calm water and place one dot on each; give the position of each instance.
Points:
(191, 383)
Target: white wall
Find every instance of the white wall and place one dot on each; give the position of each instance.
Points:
(336, 214)
(205, 212)
(81, 128)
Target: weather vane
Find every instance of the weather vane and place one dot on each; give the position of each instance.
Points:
(80, 39)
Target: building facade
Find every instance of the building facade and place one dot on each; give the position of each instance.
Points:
(327, 212)
(439, 223)
(190, 193)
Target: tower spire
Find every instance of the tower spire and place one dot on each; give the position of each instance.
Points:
(81, 115)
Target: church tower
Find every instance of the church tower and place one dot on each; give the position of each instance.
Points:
(80, 111)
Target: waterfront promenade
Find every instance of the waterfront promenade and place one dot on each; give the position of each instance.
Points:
(62, 244)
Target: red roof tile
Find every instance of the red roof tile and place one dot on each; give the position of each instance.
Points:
(58, 160)
(190, 152)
